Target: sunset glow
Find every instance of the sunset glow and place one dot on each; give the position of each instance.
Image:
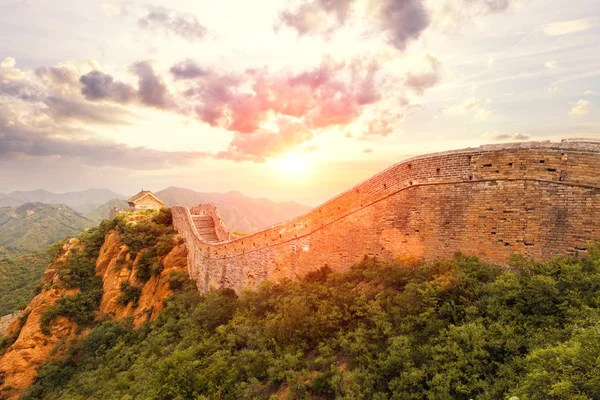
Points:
(235, 95)
(293, 164)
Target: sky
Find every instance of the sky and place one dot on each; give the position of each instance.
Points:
(288, 100)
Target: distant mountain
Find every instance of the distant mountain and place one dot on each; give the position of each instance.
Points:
(82, 201)
(6, 201)
(103, 211)
(32, 226)
(240, 213)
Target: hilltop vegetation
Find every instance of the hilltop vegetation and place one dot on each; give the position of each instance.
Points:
(25, 233)
(33, 226)
(456, 329)
(19, 276)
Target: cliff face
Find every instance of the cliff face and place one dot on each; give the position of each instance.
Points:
(32, 348)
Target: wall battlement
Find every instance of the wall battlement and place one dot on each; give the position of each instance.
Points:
(532, 198)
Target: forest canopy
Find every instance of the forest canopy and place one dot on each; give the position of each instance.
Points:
(452, 329)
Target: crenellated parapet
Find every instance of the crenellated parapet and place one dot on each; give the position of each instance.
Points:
(531, 198)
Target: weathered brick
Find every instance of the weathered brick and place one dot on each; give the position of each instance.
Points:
(537, 199)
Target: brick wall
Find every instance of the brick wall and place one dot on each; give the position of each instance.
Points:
(533, 198)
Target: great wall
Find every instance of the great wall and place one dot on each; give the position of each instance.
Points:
(531, 198)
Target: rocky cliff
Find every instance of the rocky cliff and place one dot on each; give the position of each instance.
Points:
(27, 344)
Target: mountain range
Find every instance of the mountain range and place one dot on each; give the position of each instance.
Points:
(83, 201)
(240, 213)
(32, 226)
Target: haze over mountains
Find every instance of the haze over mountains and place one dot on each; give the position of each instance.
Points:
(83, 201)
(240, 213)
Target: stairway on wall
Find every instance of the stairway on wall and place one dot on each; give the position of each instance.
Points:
(205, 225)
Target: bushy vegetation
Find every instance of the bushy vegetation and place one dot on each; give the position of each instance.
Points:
(153, 237)
(129, 293)
(455, 329)
(20, 273)
(80, 272)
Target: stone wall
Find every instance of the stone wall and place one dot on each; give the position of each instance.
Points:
(533, 198)
(211, 210)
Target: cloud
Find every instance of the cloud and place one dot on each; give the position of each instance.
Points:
(100, 86)
(332, 94)
(8, 62)
(383, 123)
(367, 151)
(418, 82)
(581, 108)
(454, 14)
(484, 114)
(402, 21)
(490, 62)
(550, 64)
(507, 136)
(152, 91)
(317, 17)
(17, 142)
(187, 69)
(553, 89)
(174, 22)
(259, 146)
(62, 109)
(590, 93)
(57, 75)
(21, 90)
(112, 9)
(566, 27)
(471, 104)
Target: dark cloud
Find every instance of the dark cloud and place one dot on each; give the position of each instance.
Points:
(17, 142)
(100, 86)
(187, 69)
(152, 91)
(173, 22)
(420, 81)
(62, 109)
(404, 20)
(21, 90)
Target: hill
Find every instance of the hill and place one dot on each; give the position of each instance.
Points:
(20, 274)
(81, 201)
(118, 271)
(32, 226)
(240, 213)
(103, 211)
(453, 329)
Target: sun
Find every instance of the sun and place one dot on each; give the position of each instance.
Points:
(294, 164)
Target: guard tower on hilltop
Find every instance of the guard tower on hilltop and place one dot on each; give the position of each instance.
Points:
(145, 200)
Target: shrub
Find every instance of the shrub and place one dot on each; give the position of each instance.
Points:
(129, 293)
